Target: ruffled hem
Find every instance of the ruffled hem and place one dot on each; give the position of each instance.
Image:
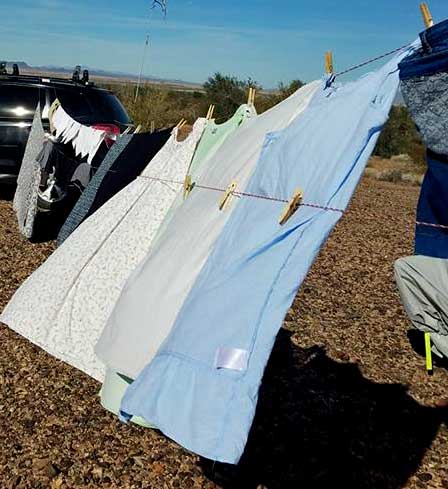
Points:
(174, 393)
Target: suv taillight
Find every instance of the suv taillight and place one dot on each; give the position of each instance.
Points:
(112, 130)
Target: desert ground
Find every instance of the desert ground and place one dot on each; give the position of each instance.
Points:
(345, 401)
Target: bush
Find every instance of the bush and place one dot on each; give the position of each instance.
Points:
(166, 106)
(400, 136)
(394, 176)
(227, 93)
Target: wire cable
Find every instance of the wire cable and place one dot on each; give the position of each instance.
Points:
(244, 194)
(371, 60)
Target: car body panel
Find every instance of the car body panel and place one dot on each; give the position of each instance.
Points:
(18, 101)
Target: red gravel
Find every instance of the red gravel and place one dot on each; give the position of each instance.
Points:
(345, 402)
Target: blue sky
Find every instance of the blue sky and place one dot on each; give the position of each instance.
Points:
(269, 40)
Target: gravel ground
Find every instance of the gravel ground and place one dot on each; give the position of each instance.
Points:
(345, 400)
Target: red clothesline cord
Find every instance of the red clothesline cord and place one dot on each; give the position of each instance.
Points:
(274, 199)
(428, 224)
(245, 194)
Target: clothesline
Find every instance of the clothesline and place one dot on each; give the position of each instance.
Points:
(273, 199)
(243, 194)
(371, 60)
(361, 65)
(377, 58)
(428, 224)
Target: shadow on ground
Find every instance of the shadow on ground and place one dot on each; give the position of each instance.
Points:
(321, 424)
(417, 342)
(48, 224)
(7, 192)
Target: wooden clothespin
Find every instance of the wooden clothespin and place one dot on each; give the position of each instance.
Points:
(181, 123)
(210, 112)
(428, 350)
(138, 129)
(153, 126)
(427, 17)
(126, 131)
(188, 186)
(292, 206)
(227, 196)
(329, 68)
(251, 96)
(53, 108)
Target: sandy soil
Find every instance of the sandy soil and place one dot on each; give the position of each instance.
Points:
(345, 401)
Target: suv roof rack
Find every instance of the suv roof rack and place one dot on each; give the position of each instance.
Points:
(75, 79)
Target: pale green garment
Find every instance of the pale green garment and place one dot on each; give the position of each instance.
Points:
(111, 393)
(212, 138)
(214, 135)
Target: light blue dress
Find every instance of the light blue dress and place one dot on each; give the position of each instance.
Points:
(201, 389)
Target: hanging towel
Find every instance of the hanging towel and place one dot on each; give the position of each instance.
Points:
(129, 342)
(63, 306)
(202, 386)
(123, 163)
(28, 180)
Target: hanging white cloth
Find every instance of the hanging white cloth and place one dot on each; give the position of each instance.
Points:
(86, 140)
(28, 180)
(63, 306)
(158, 287)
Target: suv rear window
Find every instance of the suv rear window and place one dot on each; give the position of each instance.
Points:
(109, 106)
(75, 103)
(92, 106)
(18, 101)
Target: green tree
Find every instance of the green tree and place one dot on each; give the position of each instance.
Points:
(227, 93)
(286, 90)
(400, 136)
(268, 99)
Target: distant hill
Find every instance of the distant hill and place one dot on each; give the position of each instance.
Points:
(128, 77)
(94, 72)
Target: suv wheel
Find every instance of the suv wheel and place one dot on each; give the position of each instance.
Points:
(51, 198)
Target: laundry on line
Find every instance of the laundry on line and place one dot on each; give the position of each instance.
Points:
(180, 260)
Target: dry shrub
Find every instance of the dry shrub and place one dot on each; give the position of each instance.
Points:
(162, 105)
(394, 176)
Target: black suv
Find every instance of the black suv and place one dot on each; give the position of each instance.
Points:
(19, 95)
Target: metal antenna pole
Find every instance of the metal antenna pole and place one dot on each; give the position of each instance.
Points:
(141, 68)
